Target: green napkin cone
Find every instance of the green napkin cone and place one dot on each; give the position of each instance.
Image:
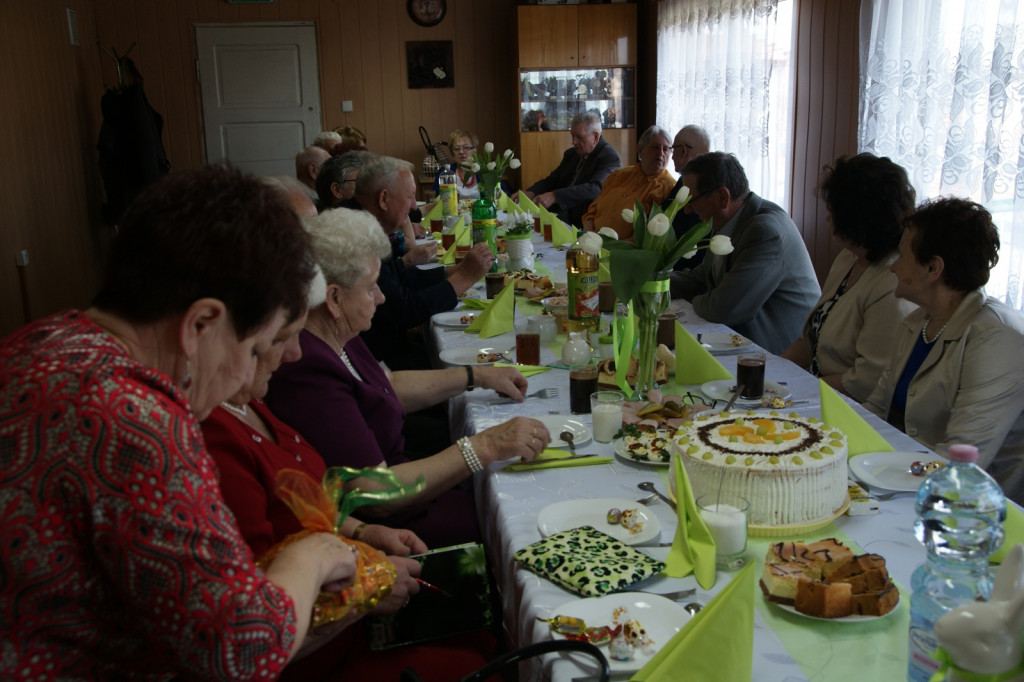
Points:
(562, 233)
(496, 318)
(434, 212)
(474, 304)
(860, 437)
(526, 204)
(693, 549)
(718, 644)
(694, 364)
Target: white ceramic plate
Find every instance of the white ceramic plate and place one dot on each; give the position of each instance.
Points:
(725, 343)
(660, 617)
(723, 388)
(890, 470)
(467, 356)
(569, 514)
(623, 454)
(453, 318)
(555, 424)
(844, 619)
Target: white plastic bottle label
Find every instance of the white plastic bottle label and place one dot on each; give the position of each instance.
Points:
(922, 645)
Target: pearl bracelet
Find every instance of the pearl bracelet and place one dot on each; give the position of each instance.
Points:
(469, 454)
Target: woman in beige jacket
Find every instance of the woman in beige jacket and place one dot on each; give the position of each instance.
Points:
(957, 374)
(847, 338)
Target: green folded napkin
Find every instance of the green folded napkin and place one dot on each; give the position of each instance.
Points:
(463, 236)
(474, 303)
(694, 364)
(505, 204)
(525, 370)
(693, 548)
(1013, 526)
(529, 308)
(562, 233)
(496, 317)
(526, 204)
(434, 212)
(860, 437)
(718, 644)
(604, 273)
(556, 458)
(587, 561)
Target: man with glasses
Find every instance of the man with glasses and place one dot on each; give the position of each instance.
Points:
(647, 181)
(577, 180)
(691, 141)
(766, 286)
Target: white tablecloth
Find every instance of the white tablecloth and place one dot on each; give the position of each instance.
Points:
(509, 502)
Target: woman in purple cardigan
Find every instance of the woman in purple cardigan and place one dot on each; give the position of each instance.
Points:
(351, 409)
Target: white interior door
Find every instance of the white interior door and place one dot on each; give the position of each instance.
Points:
(260, 93)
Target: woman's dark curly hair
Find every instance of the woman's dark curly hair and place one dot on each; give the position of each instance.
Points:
(868, 196)
(211, 232)
(961, 233)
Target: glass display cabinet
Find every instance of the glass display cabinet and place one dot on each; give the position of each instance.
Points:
(550, 98)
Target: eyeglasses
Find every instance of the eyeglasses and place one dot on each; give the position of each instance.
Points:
(681, 146)
(703, 194)
(466, 148)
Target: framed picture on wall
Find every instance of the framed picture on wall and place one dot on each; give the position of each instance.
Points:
(430, 64)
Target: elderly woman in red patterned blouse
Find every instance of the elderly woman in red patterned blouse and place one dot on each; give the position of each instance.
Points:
(120, 558)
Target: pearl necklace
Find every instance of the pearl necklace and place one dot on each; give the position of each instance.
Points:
(240, 411)
(935, 338)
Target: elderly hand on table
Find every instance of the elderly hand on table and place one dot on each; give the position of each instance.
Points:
(397, 541)
(507, 381)
(405, 586)
(519, 437)
(418, 254)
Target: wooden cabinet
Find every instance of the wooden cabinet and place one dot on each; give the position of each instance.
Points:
(574, 58)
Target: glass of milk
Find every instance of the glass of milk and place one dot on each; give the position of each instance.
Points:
(726, 517)
(606, 411)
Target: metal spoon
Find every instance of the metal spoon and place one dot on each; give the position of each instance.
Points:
(692, 608)
(567, 437)
(649, 487)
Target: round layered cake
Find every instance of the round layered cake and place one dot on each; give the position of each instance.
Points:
(791, 469)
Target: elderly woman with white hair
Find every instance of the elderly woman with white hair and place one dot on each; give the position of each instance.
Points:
(647, 181)
(351, 409)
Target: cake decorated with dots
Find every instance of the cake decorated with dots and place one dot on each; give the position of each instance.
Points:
(792, 469)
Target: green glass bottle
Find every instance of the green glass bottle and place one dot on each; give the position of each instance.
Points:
(485, 223)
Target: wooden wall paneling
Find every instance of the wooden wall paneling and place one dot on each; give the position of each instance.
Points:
(172, 56)
(47, 138)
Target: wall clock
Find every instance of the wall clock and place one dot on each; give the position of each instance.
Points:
(427, 12)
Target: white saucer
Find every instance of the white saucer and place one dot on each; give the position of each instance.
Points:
(570, 514)
(723, 388)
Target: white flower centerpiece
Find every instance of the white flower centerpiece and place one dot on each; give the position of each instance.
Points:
(640, 276)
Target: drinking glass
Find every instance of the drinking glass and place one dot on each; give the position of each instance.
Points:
(750, 373)
(528, 342)
(582, 382)
(726, 517)
(606, 410)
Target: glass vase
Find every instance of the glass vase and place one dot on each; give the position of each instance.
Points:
(650, 302)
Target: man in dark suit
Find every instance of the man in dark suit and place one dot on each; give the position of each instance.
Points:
(577, 181)
(766, 286)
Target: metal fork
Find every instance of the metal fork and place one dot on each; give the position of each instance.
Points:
(653, 497)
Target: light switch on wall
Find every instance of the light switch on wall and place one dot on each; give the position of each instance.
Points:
(346, 106)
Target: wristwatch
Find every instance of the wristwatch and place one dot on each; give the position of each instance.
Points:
(469, 378)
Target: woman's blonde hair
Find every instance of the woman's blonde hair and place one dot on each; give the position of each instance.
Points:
(459, 134)
(343, 241)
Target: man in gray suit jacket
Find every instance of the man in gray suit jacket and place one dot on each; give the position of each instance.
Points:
(766, 287)
(577, 181)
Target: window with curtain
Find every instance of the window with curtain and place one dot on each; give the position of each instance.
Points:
(725, 65)
(942, 94)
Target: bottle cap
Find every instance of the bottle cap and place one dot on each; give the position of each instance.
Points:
(963, 453)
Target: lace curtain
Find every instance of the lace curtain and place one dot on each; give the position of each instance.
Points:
(942, 94)
(715, 69)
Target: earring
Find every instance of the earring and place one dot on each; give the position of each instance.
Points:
(186, 381)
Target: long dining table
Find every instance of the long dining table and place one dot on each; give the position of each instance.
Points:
(785, 646)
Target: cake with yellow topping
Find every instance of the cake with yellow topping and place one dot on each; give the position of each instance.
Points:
(791, 469)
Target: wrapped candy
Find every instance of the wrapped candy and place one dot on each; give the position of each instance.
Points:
(321, 508)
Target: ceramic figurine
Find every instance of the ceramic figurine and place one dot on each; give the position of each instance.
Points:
(985, 637)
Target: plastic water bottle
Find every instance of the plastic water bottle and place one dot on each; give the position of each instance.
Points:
(960, 514)
(448, 192)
